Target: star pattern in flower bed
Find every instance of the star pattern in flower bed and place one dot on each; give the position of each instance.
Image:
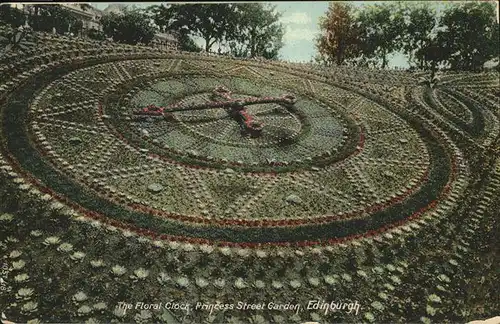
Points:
(346, 166)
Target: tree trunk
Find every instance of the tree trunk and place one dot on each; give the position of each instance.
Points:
(340, 55)
(207, 44)
(37, 19)
(252, 44)
(433, 70)
(384, 59)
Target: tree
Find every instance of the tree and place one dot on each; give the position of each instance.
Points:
(96, 34)
(34, 17)
(76, 27)
(164, 17)
(420, 25)
(11, 16)
(249, 29)
(186, 43)
(41, 19)
(238, 50)
(380, 31)
(470, 35)
(131, 27)
(53, 16)
(258, 31)
(60, 18)
(212, 22)
(338, 41)
(433, 53)
(85, 6)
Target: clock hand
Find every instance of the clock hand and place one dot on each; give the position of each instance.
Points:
(232, 103)
(235, 108)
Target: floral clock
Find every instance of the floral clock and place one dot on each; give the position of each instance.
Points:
(242, 154)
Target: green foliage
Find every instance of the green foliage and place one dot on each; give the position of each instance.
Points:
(380, 31)
(363, 37)
(248, 29)
(338, 41)
(419, 30)
(131, 27)
(40, 18)
(258, 31)
(47, 17)
(165, 17)
(96, 34)
(187, 44)
(470, 35)
(464, 37)
(11, 16)
(76, 27)
(61, 18)
(212, 22)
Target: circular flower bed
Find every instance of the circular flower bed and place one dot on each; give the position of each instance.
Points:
(346, 167)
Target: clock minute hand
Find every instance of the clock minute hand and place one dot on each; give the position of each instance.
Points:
(284, 99)
(234, 103)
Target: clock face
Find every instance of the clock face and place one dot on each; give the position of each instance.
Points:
(290, 137)
(332, 164)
